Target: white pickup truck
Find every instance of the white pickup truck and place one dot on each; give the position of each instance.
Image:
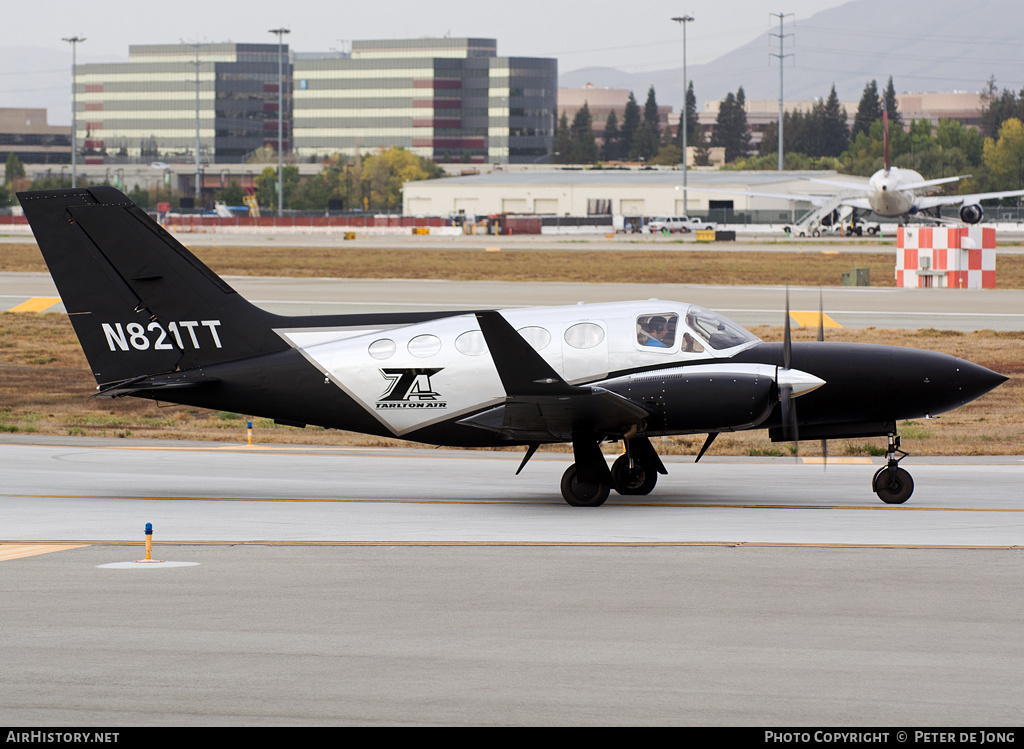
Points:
(673, 224)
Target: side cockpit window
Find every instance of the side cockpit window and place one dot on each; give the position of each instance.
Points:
(657, 331)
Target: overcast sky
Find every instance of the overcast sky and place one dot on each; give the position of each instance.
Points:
(632, 36)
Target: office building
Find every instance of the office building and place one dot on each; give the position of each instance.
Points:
(449, 100)
(146, 109)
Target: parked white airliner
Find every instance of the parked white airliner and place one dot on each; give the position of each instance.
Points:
(892, 192)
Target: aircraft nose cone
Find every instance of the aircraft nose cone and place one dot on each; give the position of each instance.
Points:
(932, 383)
(975, 380)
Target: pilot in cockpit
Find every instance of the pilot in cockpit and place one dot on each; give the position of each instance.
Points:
(657, 333)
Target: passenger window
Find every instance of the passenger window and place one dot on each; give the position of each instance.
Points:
(471, 343)
(584, 335)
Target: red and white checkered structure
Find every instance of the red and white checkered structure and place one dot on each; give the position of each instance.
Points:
(962, 257)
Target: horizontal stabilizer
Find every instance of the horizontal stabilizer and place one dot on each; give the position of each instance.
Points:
(143, 385)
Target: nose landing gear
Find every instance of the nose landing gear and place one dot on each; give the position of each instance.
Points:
(893, 484)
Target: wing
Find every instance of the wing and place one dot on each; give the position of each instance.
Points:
(817, 200)
(539, 405)
(936, 200)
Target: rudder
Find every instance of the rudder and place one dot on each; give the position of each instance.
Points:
(140, 302)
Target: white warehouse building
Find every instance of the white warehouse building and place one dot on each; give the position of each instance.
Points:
(590, 192)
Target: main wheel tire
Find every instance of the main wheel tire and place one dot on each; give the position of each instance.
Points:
(893, 488)
(582, 493)
(639, 481)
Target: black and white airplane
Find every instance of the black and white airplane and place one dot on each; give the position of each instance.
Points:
(156, 323)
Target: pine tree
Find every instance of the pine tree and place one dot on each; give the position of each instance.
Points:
(731, 129)
(581, 132)
(645, 143)
(562, 150)
(630, 123)
(701, 147)
(895, 121)
(835, 134)
(651, 118)
(742, 128)
(612, 148)
(868, 111)
(691, 119)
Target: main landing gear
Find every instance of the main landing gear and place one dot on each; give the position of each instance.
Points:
(588, 482)
(893, 484)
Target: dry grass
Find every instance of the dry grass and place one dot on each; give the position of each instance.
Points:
(801, 267)
(45, 384)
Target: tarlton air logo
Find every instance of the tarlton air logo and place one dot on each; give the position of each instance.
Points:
(409, 388)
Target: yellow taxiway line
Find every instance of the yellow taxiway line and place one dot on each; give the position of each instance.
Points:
(810, 320)
(46, 546)
(18, 551)
(36, 304)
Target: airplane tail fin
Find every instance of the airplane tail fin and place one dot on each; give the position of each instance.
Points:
(885, 139)
(140, 303)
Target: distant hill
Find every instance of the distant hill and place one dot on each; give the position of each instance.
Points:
(925, 45)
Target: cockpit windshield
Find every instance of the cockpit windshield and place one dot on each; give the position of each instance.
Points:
(719, 332)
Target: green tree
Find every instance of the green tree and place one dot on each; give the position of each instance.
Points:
(611, 149)
(232, 194)
(869, 110)
(266, 187)
(645, 143)
(630, 123)
(895, 120)
(651, 118)
(14, 173)
(562, 151)
(835, 135)
(581, 132)
(731, 129)
(384, 173)
(701, 147)
(692, 123)
(1003, 159)
(953, 134)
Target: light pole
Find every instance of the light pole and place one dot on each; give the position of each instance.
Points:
(74, 40)
(280, 117)
(682, 21)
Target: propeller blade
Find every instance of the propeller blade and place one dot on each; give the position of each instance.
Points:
(787, 344)
(788, 413)
(824, 454)
(821, 317)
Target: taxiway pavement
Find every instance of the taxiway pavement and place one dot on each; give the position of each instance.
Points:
(346, 586)
(850, 307)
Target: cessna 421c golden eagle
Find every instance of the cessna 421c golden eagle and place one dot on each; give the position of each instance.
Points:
(156, 323)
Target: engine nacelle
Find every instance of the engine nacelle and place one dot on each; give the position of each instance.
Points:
(971, 214)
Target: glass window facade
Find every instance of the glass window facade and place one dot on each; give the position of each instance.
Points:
(450, 100)
(146, 108)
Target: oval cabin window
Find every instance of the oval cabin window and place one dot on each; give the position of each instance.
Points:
(584, 335)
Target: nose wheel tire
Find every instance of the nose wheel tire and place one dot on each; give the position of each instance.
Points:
(583, 493)
(636, 480)
(893, 486)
